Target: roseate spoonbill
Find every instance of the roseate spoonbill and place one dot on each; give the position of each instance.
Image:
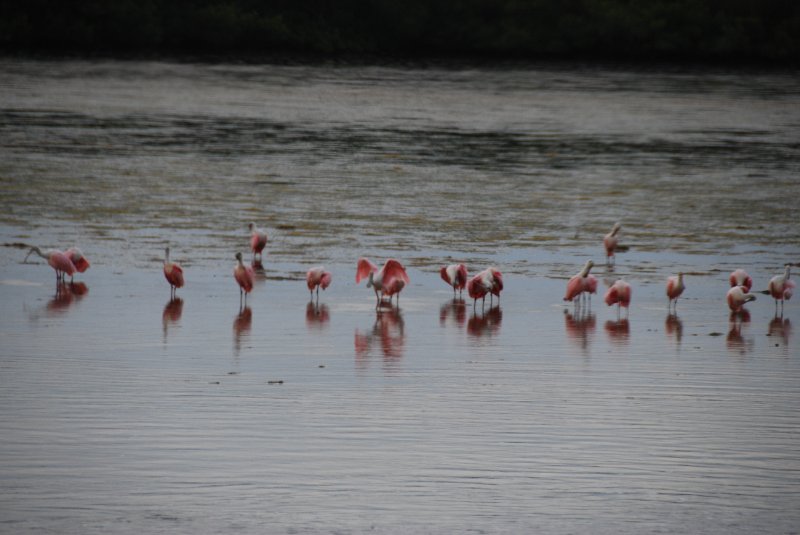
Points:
(477, 289)
(78, 259)
(737, 297)
(781, 288)
(610, 243)
(489, 281)
(497, 283)
(381, 279)
(316, 277)
(173, 272)
(580, 283)
(619, 294)
(244, 277)
(57, 260)
(675, 288)
(258, 240)
(739, 277)
(456, 276)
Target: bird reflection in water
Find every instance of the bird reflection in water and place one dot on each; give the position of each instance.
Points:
(618, 331)
(486, 323)
(780, 328)
(317, 315)
(674, 327)
(580, 326)
(171, 315)
(454, 310)
(258, 270)
(67, 294)
(735, 340)
(388, 332)
(241, 328)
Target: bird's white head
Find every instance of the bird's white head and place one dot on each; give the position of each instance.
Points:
(589, 265)
(616, 228)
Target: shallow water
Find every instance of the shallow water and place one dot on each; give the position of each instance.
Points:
(125, 412)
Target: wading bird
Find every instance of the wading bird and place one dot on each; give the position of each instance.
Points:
(619, 294)
(739, 277)
(173, 272)
(580, 283)
(57, 260)
(258, 240)
(737, 297)
(456, 276)
(244, 276)
(489, 281)
(316, 277)
(781, 288)
(610, 243)
(78, 259)
(382, 279)
(675, 288)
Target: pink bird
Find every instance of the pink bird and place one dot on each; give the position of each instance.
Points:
(619, 294)
(316, 277)
(173, 272)
(258, 240)
(456, 276)
(675, 288)
(781, 288)
(739, 277)
(610, 243)
(78, 259)
(382, 279)
(244, 276)
(487, 282)
(57, 260)
(580, 283)
(737, 297)
(497, 282)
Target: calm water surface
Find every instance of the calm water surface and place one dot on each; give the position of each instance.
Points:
(123, 411)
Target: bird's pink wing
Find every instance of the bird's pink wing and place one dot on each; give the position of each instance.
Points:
(498, 282)
(364, 268)
(258, 240)
(612, 296)
(245, 276)
(393, 269)
(326, 279)
(61, 262)
(671, 282)
(312, 277)
(590, 284)
(443, 274)
(625, 294)
(461, 276)
(174, 275)
(78, 260)
(574, 288)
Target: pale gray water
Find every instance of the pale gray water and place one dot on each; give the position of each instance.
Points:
(124, 413)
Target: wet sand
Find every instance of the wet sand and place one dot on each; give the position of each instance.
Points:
(124, 411)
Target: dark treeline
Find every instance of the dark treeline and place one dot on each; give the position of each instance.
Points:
(682, 30)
